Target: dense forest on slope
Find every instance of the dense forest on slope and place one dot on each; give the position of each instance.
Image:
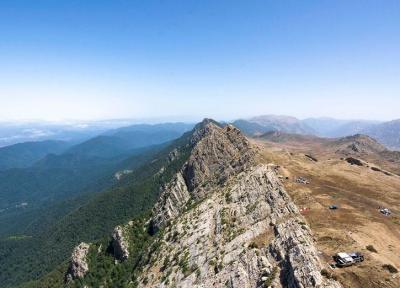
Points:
(56, 177)
(23, 155)
(103, 270)
(28, 257)
(28, 220)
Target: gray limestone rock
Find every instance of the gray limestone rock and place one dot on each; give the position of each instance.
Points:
(120, 244)
(78, 266)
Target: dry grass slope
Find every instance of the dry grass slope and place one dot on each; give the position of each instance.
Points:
(358, 191)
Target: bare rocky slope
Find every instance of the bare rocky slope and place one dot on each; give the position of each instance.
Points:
(225, 220)
(228, 222)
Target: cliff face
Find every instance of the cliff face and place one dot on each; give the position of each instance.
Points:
(228, 222)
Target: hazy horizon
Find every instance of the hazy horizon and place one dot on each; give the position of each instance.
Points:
(171, 119)
(222, 60)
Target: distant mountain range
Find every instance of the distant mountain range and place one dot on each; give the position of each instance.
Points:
(263, 124)
(122, 140)
(77, 132)
(387, 133)
(329, 127)
(38, 172)
(70, 131)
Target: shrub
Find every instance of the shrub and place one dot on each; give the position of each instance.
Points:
(390, 268)
(253, 245)
(325, 273)
(271, 277)
(228, 197)
(371, 248)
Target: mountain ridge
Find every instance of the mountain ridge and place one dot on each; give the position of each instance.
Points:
(205, 196)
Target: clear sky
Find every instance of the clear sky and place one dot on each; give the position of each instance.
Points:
(98, 59)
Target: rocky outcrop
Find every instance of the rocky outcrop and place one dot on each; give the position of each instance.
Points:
(171, 202)
(246, 233)
(298, 257)
(217, 154)
(120, 244)
(78, 266)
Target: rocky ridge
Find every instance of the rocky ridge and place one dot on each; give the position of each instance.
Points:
(228, 222)
(218, 154)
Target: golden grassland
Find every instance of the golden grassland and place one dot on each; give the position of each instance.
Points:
(358, 191)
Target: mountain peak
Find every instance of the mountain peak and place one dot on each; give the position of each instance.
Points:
(202, 128)
(206, 122)
(218, 153)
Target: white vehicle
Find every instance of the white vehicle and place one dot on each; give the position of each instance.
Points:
(347, 259)
(343, 259)
(385, 211)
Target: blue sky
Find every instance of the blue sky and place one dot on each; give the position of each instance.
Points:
(193, 59)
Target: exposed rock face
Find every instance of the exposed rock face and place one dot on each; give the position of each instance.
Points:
(220, 153)
(78, 266)
(217, 154)
(120, 244)
(246, 233)
(171, 202)
(300, 266)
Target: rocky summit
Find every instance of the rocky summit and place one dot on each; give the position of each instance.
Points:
(218, 154)
(228, 222)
